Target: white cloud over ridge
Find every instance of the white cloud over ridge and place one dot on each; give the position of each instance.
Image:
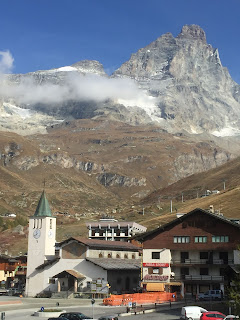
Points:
(76, 86)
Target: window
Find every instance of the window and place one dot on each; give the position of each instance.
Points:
(181, 239)
(203, 255)
(51, 280)
(50, 223)
(109, 255)
(203, 271)
(100, 255)
(118, 256)
(222, 272)
(220, 238)
(133, 256)
(125, 256)
(153, 270)
(155, 255)
(200, 239)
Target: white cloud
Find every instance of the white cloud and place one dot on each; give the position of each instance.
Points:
(75, 86)
(6, 62)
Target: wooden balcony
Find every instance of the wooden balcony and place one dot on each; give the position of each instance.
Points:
(186, 262)
(197, 278)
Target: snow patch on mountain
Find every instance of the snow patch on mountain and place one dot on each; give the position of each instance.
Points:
(226, 132)
(11, 109)
(67, 68)
(145, 102)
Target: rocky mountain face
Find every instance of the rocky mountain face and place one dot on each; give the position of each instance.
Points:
(109, 139)
(193, 90)
(94, 165)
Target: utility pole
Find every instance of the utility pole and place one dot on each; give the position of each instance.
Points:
(224, 185)
(143, 211)
(171, 206)
(182, 197)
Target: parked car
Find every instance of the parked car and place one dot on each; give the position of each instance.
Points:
(210, 295)
(57, 318)
(112, 317)
(74, 316)
(212, 315)
(231, 317)
(191, 313)
(14, 292)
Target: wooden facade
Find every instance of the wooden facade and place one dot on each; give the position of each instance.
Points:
(197, 223)
(199, 247)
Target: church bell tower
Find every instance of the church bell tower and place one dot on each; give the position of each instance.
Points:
(41, 244)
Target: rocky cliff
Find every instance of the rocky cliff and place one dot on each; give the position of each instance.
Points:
(193, 90)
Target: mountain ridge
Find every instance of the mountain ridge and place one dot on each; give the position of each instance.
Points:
(177, 83)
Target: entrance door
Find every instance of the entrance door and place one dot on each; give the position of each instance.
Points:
(184, 256)
(71, 283)
(223, 256)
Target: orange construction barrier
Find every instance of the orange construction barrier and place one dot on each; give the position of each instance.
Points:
(140, 298)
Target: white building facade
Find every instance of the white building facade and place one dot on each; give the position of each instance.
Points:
(113, 230)
(71, 266)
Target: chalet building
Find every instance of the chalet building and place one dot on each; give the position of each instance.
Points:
(13, 271)
(190, 254)
(76, 264)
(111, 229)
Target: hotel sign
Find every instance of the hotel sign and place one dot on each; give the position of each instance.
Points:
(155, 277)
(153, 264)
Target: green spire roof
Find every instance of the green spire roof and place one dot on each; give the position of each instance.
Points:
(43, 209)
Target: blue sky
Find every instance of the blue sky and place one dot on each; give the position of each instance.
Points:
(44, 34)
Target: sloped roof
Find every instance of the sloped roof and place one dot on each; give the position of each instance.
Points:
(116, 264)
(48, 263)
(43, 208)
(102, 244)
(73, 273)
(179, 220)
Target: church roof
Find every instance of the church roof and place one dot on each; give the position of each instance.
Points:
(102, 244)
(43, 208)
(116, 264)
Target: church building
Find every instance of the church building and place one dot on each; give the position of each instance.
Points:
(77, 264)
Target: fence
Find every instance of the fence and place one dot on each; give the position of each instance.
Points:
(140, 298)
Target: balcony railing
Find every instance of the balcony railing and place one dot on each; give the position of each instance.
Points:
(197, 278)
(201, 261)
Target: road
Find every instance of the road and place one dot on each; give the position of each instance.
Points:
(24, 308)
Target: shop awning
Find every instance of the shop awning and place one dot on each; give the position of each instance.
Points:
(174, 283)
(154, 286)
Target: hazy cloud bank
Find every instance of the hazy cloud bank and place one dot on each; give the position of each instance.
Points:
(75, 86)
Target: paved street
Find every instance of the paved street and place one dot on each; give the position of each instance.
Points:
(24, 308)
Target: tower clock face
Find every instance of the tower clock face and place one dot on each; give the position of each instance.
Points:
(36, 233)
